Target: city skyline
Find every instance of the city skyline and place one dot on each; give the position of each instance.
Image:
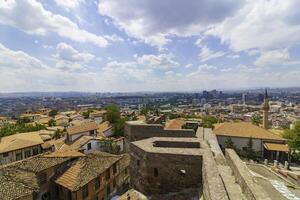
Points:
(128, 46)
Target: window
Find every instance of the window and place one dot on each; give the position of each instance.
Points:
(89, 146)
(5, 154)
(57, 190)
(97, 183)
(126, 171)
(115, 168)
(19, 156)
(155, 172)
(85, 192)
(42, 178)
(114, 183)
(35, 151)
(108, 190)
(27, 153)
(138, 163)
(107, 174)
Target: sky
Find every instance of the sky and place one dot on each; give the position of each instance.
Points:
(149, 45)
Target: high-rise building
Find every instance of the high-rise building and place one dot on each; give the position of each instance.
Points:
(244, 98)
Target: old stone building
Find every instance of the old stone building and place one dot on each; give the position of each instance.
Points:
(65, 175)
(138, 130)
(161, 165)
(175, 168)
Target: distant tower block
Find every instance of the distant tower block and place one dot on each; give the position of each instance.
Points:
(266, 109)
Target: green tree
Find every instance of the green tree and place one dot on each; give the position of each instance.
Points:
(57, 134)
(10, 129)
(86, 114)
(118, 129)
(293, 139)
(256, 119)
(249, 152)
(51, 122)
(52, 113)
(23, 120)
(209, 121)
(112, 113)
(229, 143)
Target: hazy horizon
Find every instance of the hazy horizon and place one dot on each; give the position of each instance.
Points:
(156, 46)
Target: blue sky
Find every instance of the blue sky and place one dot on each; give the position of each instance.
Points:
(149, 45)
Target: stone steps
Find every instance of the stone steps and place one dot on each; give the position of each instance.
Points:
(233, 189)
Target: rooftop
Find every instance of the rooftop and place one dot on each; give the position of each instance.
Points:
(86, 169)
(175, 123)
(84, 127)
(244, 129)
(170, 145)
(20, 141)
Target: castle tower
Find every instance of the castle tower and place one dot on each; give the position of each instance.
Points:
(266, 109)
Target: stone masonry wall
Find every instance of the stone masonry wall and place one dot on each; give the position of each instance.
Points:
(242, 175)
(154, 173)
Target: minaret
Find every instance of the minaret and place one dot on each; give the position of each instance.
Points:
(266, 109)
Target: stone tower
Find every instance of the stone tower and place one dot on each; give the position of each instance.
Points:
(266, 109)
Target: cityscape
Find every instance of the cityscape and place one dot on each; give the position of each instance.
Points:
(149, 100)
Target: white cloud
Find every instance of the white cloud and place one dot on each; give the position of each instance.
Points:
(208, 54)
(188, 65)
(275, 57)
(114, 38)
(161, 61)
(262, 24)
(153, 21)
(68, 53)
(17, 59)
(31, 17)
(235, 56)
(69, 3)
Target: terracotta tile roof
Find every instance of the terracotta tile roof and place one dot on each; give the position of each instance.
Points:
(76, 145)
(20, 141)
(104, 126)
(16, 183)
(64, 154)
(244, 129)
(39, 163)
(84, 127)
(175, 123)
(86, 169)
(276, 147)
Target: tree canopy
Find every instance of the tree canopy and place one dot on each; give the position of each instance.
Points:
(52, 113)
(112, 113)
(256, 119)
(209, 121)
(293, 139)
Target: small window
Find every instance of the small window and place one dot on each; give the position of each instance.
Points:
(115, 168)
(97, 183)
(19, 156)
(85, 192)
(108, 190)
(27, 153)
(35, 151)
(57, 190)
(155, 172)
(89, 146)
(126, 171)
(114, 183)
(138, 163)
(5, 154)
(42, 178)
(107, 174)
